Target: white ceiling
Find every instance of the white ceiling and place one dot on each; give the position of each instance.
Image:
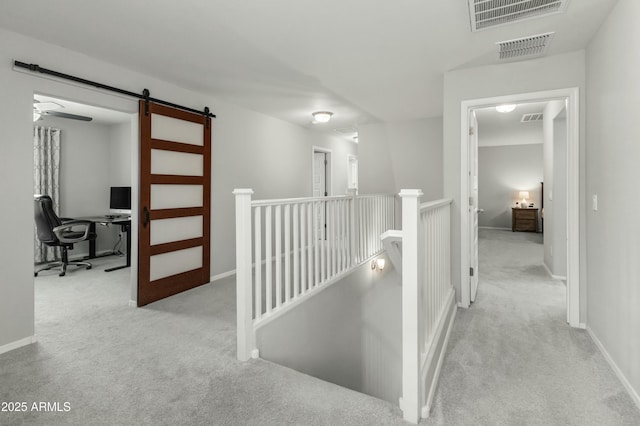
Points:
(500, 129)
(489, 117)
(364, 60)
(99, 115)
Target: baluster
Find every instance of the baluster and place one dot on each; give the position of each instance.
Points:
(343, 235)
(258, 262)
(268, 261)
(297, 253)
(323, 232)
(278, 236)
(314, 243)
(287, 252)
(334, 227)
(310, 247)
(304, 249)
(361, 249)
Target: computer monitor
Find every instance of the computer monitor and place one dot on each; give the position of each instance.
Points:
(120, 200)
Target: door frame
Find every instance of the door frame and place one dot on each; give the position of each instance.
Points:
(472, 208)
(91, 97)
(573, 190)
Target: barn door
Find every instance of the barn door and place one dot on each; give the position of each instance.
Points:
(175, 211)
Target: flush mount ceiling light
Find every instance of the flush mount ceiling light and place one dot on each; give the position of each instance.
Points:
(321, 116)
(505, 108)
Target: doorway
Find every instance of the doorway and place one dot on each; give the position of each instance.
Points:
(468, 222)
(321, 186)
(98, 152)
(321, 169)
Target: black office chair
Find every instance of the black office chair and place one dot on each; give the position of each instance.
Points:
(56, 232)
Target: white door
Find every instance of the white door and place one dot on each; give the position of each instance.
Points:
(473, 205)
(320, 164)
(319, 174)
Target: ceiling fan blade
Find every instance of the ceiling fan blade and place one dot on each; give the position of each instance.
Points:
(46, 106)
(67, 115)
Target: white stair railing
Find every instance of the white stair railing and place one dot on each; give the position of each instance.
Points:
(288, 249)
(428, 299)
(392, 243)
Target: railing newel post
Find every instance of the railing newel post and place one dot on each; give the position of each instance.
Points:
(411, 257)
(244, 284)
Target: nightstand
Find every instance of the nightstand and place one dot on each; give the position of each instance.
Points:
(524, 220)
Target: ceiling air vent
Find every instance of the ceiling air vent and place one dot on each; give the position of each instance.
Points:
(491, 13)
(526, 118)
(536, 45)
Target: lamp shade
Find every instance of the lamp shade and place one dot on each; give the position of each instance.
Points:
(524, 195)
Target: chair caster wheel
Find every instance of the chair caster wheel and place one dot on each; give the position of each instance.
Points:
(35, 274)
(88, 267)
(62, 274)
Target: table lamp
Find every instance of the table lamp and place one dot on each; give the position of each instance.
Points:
(524, 195)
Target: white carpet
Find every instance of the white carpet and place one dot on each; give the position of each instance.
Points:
(512, 359)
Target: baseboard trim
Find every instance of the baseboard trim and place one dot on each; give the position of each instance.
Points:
(625, 382)
(555, 277)
(222, 275)
(494, 227)
(546, 268)
(449, 315)
(133, 304)
(84, 256)
(18, 344)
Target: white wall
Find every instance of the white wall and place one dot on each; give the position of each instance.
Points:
(375, 168)
(349, 334)
(249, 150)
(416, 155)
(613, 247)
(504, 171)
(509, 134)
(415, 150)
(554, 72)
(119, 154)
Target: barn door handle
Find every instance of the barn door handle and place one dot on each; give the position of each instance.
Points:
(147, 216)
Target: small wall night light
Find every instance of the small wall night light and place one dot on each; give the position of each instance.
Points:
(378, 264)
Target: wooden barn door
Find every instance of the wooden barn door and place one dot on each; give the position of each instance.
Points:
(175, 202)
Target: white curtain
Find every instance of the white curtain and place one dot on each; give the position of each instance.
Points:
(46, 178)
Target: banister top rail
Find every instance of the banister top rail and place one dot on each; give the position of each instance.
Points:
(381, 194)
(435, 204)
(296, 200)
(281, 201)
